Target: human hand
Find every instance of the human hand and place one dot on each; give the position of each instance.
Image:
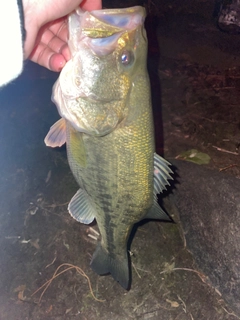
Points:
(47, 30)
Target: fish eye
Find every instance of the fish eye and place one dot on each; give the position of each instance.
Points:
(127, 58)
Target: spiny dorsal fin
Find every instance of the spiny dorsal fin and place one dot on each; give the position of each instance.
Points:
(162, 173)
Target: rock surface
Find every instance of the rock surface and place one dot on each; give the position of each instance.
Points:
(208, 204)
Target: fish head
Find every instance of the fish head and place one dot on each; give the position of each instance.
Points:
(108, 49)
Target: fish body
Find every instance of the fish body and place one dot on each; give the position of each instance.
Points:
(103, 96)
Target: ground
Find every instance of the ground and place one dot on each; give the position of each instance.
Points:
(195, 76)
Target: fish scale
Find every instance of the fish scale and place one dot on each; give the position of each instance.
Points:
(121, 165)
(103, 96)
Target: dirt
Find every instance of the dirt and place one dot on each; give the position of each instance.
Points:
(195, 79)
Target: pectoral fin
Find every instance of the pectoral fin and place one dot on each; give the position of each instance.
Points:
(81, 208)
(77, 148)
(56, 136)
(161, 174)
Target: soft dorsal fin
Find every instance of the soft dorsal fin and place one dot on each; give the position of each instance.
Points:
(156, 212)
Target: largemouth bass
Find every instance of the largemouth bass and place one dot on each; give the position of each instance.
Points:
(103, 97)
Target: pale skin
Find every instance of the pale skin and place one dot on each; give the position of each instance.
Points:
(47, 32)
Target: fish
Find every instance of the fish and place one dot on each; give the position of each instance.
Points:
(103, 98)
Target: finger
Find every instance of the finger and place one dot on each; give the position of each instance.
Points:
(91, 5)
(57, 62)
(52, 41)
(51, 50)
(59, 28)
(49, 58)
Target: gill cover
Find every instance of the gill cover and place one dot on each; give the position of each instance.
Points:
(93, 87)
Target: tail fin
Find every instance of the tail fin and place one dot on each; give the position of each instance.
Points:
(102, 263)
